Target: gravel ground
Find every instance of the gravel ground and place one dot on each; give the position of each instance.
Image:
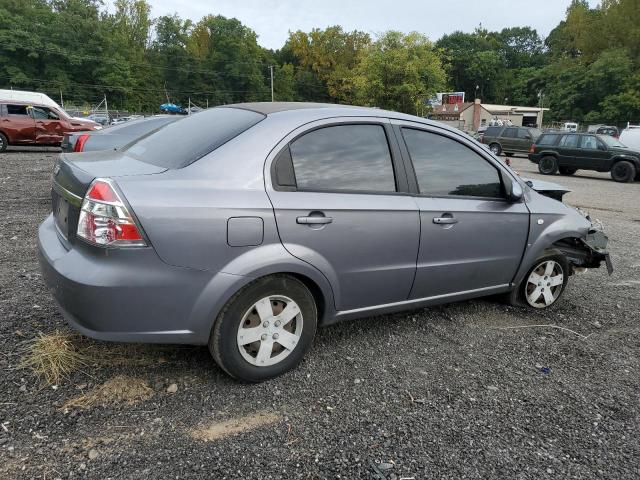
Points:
(446, 392)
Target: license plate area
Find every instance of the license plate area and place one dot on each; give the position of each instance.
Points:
(60, 208)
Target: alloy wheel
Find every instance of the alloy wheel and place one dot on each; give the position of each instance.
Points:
(270, 330)
(545, 284)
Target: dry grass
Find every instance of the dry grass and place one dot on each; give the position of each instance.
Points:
(53, 356)
(235, 426)
(116, 390)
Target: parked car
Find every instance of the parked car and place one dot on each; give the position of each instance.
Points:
(115, 137)
(510, 139)
(246, 226)
(102, 119)
(569, 152)
(23, 123)
(608, 130)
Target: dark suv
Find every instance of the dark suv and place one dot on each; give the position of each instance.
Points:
(568, 152)
(510, 139)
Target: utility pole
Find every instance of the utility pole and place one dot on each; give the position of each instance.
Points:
(106, 106)
(189, 111)
(271, 70)
(61, 100)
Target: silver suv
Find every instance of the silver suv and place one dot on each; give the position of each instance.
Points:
(245, 227)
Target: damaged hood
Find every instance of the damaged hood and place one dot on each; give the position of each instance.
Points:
(548, 189)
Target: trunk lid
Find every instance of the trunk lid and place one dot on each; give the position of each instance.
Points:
(72, 175)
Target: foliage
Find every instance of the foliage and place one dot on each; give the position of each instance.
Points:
(399, 72)
(586, 70)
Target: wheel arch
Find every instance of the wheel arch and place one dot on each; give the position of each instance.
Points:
(224, 286)
(634, 161)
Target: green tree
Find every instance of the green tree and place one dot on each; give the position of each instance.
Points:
(399, 72)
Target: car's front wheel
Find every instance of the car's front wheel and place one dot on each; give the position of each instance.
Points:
(544, 283)
(265, 329)
(548, 165)
(495, 148)
(4, 143)
(623, 171)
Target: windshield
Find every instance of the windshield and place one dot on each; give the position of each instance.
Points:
(611, 142)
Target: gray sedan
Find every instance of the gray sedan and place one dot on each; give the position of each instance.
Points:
(247, 226)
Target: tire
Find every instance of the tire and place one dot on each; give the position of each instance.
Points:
(4, 143)
(531, 291)
(496, 149)
(548, 165)
(241, 313)
(623, 171)
(567, 170)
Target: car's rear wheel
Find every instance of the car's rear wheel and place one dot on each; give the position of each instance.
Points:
(548, 165)
(265, 329)
(567, 170)
(4, 143)
(623, 171)
(495, 148)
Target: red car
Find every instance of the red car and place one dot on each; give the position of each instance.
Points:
(23, 123)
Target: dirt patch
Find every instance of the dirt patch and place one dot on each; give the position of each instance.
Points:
(115, 391)
(215, 431)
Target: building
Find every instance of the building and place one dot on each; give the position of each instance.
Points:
(472, 115)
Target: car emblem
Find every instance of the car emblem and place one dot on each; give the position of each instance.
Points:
(56, 169)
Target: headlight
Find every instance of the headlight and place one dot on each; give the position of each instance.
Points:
(97, 127)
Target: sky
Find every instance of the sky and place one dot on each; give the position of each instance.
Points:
(273, 19)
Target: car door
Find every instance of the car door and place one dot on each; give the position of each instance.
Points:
(343, 207)
(472, 237)
(17, 124)
(593, 153)
(568, 150)
(523, 140)
(49, 128)
(509, 139)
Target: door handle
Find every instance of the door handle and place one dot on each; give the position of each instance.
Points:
(445, 220)
(314, 220)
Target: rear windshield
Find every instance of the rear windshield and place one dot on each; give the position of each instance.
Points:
(181, 143)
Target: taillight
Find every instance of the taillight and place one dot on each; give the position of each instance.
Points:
(82, 139)
(532, 149)
(105, 219)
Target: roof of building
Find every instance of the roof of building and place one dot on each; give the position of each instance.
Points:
(510, 108)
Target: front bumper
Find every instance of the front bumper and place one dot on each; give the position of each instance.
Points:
(122, 295)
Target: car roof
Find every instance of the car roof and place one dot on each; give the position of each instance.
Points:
(22, 102)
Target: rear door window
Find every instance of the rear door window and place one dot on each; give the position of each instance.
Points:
(569, 141)
(18, 110)
(352, 158)
(183, 142)
(510, 133)
(445, 167)
(492, 131)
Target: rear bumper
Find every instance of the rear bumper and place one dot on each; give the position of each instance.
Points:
(126, 295)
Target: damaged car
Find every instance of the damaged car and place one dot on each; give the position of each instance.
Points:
(246, 227)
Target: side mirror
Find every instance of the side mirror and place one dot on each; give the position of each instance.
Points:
(516, 192)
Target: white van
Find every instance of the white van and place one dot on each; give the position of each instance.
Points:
(630, 137)
(31, 97)
(570, 127)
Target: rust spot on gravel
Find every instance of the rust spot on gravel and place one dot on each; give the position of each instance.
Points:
(116, 390)
(216, 431)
